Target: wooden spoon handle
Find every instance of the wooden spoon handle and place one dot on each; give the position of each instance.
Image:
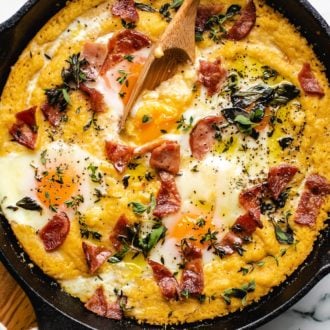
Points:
(177, 44)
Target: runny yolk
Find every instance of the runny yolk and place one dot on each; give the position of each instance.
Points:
(194, 227)
(56, 187)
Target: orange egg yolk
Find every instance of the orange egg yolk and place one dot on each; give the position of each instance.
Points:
(194, 227)
(56, 187)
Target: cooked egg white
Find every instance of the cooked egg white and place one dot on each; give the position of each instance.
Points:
(58, 178)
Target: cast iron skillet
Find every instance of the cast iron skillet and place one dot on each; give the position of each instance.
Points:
(57, 310)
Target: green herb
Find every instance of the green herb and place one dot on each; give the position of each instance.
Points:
(283, 237)
(199, 36)
(268, 73)
(75, 201)
(183, 125)
(145, 7)
(185, 294)
(139, 208)
(209, 236)
(123, 77)
(28, 203)
(176, 4)
(92, 123)
(129, 58)
(58, 97)
(285, 142)
(119, 256)
(128, 25)
(240, 293)
(74, 75)
(200, 222)
(146, 119)
(284, 93)
(164, 11)
(215, 23)
(147, 243)
(94, 174)
(85, 232)
(244, 270)
(98, 194)
(260, 263)
(53, 207)
(43, 157)
(228, 144)
(125, 181)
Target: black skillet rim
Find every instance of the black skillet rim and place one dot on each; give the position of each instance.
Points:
(322, 272)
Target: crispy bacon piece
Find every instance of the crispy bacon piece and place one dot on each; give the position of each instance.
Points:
(212, 75)
(192, 280)
(308, 81)
(308, 208)
(166, 157)
(204, 13)
(202, 137)
(245, 23)
(168, 199)
(95, 54)
(95, 97)
(166, 281)
(245, 225)
(119, 155)
(54, 233)
(119, 231)
(230, 242)
(311, 200)
(52, 114)
(126, 10)
(318, 185)
(99, 305)
(123, 43)
(24, 130)
(96, 256)
(250, 200)
(279, 177)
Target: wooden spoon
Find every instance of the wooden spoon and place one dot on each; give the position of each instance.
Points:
(177, 45)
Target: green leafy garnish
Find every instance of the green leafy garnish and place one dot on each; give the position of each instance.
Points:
(94, 174)
(139, 208)
(28, 203)
(283, 237)
(240, 293)
(145, 7)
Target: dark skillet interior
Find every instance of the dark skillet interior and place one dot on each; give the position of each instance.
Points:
(57, 310)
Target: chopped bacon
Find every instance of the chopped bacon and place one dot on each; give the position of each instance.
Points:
(279, 177)
(245, 225)
(168, 199)
(212, 75)
(308, 81)
(192, 280)
(202, 137)
(119, 232)
(24, 130)
(245, 23)
(318, 185)
(123, 43)
(95, 97)
(230, 243)
(52, 114)
(126, 10)
(99, 305)
(250, 200)
(311, 200)
(308, 208)
(119, 155)
(166, 157)
(54, 233)
(204, 13)
(95, 54)
(96, 256)
(166, 281)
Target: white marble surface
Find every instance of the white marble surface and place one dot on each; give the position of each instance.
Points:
(313, 311)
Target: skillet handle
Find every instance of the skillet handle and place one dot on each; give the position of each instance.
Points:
(49, 318)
